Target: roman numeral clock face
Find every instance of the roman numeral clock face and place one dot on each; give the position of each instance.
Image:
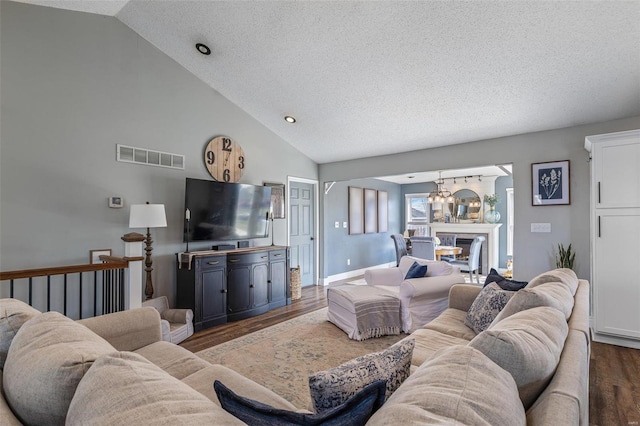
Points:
(224, 159)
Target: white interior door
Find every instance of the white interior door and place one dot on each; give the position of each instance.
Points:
(302, 230)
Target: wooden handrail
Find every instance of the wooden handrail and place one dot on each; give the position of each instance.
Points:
(125, 259)
(60, 270)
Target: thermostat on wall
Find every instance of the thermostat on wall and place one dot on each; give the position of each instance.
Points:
(116, 202)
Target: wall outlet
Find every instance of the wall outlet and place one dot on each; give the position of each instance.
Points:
(348, 262)
(344, 225)
(540, 227)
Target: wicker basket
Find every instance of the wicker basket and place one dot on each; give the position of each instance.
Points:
(296, 291)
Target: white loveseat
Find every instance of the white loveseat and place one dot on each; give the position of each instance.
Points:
(421, 299)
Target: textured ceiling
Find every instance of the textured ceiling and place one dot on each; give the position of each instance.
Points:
(374, 78)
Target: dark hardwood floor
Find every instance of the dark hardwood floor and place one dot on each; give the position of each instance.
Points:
(614, 385)
(313, 298)
(614, 378)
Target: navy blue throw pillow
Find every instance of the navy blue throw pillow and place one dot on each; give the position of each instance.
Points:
(416, 271)
(504, 283)
(355, 411)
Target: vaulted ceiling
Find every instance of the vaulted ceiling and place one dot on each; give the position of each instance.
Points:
(372, 78)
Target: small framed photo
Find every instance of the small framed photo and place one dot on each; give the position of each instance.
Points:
(116, 202)
(277, 200)
(94, 255)
(550, 183)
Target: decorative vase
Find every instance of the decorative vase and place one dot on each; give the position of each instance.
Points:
(492, 215)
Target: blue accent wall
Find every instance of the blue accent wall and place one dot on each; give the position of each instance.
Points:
(364, 250)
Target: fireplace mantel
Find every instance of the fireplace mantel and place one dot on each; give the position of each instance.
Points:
(469, 230)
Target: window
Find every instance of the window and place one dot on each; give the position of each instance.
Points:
(417, 210)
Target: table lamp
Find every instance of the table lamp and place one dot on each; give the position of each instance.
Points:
(147, 216)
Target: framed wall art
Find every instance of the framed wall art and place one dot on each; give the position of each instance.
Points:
(356, 213)
(383, 211)
(370, 211)
(277, 199)
(550, 183)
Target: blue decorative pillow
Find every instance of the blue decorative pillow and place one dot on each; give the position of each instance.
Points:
(355, 411)
(416, 271)
(331, 388)
(504, 283)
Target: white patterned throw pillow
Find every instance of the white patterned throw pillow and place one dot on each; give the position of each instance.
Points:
(332, 387)
(486, 307)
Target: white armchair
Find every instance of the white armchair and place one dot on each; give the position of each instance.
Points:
(421, 299)
(177, 324)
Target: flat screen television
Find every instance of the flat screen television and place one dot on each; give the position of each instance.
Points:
(226, 211)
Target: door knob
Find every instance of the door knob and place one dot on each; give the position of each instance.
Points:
(311, 238)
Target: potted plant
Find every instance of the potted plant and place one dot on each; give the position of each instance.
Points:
(491, 215)
(565, 257)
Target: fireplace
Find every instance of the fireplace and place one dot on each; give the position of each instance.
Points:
(489, 252)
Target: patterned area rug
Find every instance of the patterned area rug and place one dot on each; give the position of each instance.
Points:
(283, 356)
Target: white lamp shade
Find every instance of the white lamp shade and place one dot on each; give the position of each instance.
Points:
(147, 216)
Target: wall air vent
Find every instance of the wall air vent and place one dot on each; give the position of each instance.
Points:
(131, 154)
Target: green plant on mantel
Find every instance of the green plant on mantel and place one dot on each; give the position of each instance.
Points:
(565, 257)
(491, 200)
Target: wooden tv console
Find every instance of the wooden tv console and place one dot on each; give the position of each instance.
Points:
(230, 285)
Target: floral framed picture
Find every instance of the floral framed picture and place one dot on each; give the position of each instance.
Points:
(550, 183)
(277, 200)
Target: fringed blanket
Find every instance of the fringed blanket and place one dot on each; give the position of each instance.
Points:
(364, 311)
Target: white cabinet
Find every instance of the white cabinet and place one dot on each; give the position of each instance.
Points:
(615, 236)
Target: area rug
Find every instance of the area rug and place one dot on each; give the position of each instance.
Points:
(283, 356)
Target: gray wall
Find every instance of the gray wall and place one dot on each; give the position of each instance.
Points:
(533, 252)
(364, 250)
(73, 86)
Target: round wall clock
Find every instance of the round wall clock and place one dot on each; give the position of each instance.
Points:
(224, 159)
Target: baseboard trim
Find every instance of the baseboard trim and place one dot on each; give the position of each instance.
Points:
(350, 274)
(613, 340)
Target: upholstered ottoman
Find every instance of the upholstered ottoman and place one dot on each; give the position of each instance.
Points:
(364, 311)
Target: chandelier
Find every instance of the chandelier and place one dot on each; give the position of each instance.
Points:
(442, 194)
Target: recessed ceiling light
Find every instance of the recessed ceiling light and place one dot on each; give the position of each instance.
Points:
(289, 119)
(203, 48)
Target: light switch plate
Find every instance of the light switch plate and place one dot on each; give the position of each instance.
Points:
(540, 227)
(337, 224)
(344, 225)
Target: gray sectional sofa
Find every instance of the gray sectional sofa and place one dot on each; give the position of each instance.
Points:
(115, 369)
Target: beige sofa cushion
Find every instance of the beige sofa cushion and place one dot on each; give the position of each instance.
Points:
(527, 345)
(565, 401)
(124, 388)
(48, 357)
(451, 388)
(428, 342)
(551, 294)
(202, 381)
(175, 360)
(451, 322)
(13, 313)
(7, 418)
(565, 276)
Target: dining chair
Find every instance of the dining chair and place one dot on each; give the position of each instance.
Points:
(401, 247)
(448, 240)
(423, 247)
(473, 261)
